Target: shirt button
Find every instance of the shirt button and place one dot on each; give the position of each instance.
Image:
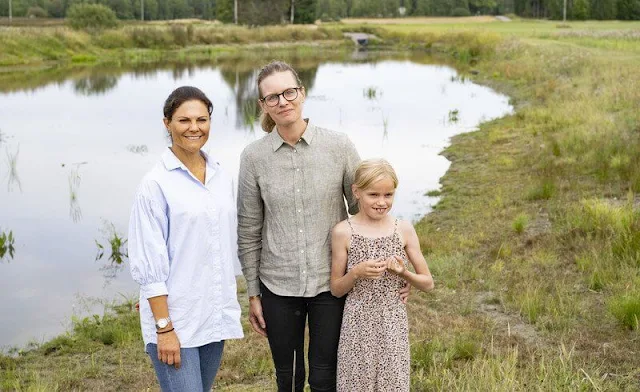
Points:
(297, 169)
(302, 251)
(301, 230)
(299, 210)
(294, 150)
(304, 272)
(297, 190)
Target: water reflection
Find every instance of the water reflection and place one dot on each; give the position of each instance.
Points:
(6, 246)
(96, 84)
(12, 163)
(242, 82)
(75, 212)
(3, 137)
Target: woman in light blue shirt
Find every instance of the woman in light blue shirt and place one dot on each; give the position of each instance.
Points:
(182, 249)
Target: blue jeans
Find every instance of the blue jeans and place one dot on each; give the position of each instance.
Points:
(198, 368)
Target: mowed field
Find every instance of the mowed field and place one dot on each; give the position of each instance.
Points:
(534, 244)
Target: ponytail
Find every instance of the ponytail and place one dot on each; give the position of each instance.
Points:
(266, 122)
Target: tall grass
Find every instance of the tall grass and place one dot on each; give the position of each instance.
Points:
(508, 370)
(32, 46)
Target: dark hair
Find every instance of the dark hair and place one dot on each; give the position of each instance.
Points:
(182, 95)
(266, 121)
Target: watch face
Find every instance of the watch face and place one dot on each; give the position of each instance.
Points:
(162, 323)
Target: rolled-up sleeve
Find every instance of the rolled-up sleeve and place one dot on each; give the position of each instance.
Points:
(352, 160)
(250, 222)
(148, 255)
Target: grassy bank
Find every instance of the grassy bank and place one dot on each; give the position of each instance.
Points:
(535, 242)
(36, 46)
(534, 245)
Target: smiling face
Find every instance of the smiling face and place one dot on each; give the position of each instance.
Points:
(189, 127)
(285, 113)
(376, 200)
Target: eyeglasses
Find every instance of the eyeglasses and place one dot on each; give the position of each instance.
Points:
(289, 94)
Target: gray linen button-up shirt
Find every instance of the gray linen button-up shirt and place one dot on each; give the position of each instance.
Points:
(289, 199)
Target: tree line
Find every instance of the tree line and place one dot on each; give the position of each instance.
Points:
(261, 12)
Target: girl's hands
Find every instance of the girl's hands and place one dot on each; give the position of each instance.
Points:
(169, 349)
(395, 264)
(370, 269)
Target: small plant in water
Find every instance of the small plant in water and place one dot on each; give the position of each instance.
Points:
(434, 193)
(371, 92)
(117, 245)
(12, 160)
(385, 124)
(6, 245)
(141, 149)
(453, 116)
(74, 183)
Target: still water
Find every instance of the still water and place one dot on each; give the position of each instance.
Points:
(72, 153)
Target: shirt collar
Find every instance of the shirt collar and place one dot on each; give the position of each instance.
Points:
(171, 162)
(277, 141)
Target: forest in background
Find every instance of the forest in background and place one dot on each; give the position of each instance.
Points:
(265, 12)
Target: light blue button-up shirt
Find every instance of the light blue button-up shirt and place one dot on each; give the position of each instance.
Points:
(182, 243)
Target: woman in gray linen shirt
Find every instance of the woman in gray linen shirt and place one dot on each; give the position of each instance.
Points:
(291, 191)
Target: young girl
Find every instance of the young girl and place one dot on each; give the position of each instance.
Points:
(369, 262)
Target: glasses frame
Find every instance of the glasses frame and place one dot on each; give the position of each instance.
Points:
(297, 90)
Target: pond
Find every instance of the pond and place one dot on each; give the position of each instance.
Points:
(74, 147)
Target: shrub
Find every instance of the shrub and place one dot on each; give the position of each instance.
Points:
(627, 310)
(37, 12)
(542, 191)
(91, 16)
(520, 223)
(460, 11)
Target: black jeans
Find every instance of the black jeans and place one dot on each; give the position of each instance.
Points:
(286, 318)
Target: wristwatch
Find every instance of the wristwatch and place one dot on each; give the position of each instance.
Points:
(162, 322)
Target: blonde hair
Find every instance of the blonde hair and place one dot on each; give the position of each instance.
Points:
(266, 121)
(371, 171)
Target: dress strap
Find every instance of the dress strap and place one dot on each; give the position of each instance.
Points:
(395, 226)
(350, 225)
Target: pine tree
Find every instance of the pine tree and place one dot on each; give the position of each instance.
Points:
(304, 11)
(224, 10)
(629, 9)
(603, 9)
